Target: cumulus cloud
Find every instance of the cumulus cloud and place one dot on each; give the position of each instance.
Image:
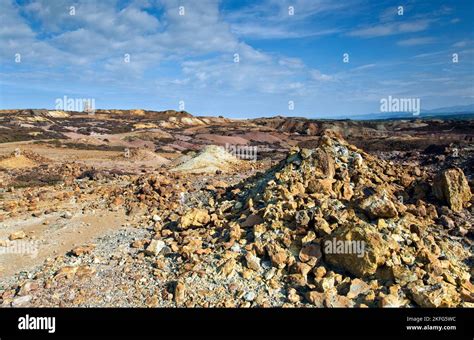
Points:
(100, 34)
(176, 55)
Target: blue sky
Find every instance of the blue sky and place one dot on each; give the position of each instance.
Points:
(191, 58)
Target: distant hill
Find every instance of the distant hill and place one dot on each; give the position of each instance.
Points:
(452, 109)
(451, 112)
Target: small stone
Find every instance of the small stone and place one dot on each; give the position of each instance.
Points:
(305, 153)
(403, 275)
(297, 279)
(357, 287)
(302, 218)
(379, 206)
(321, 226)
(302, 268)
(234, 231)
(252, 220)
(381, 224)
(21, 301)
(310, 251)
(391, 301)
(270, 274)
(278, 255)
(194, 218)
(137, 244)
(250, 296)
(293, 296)
(326, 283)
(446, 222)
(324, 186)
(17, 235)
(466, 295)
(227, 268)
(332, 299)
(67, 272)
(319, 272)
(84, 272)
(78, 251)
(179, 293)
(220, 184)
(247, 273)
(316, 298)
(118, 201)
(28, 287)
(155, 247)
(67, 215)
(253, 262)
(258, 230)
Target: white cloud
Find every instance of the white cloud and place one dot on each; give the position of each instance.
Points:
(275, 22)
(294, 63)
(391, 28)
(259, 31)
(100, 33)
(416, 41)
(317, 75)
(193, 55)
(462, 43)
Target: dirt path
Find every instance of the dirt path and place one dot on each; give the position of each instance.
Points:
(50, 235)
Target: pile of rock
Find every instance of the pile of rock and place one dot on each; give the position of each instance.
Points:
(338, 227)
(210, 159)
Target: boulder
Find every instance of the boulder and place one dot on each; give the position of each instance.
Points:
(451, 187)
(324, 163)
(359, 250)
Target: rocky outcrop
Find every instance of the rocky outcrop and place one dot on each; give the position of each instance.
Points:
(452, 188)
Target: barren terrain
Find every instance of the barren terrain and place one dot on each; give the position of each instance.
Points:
(140, 208)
